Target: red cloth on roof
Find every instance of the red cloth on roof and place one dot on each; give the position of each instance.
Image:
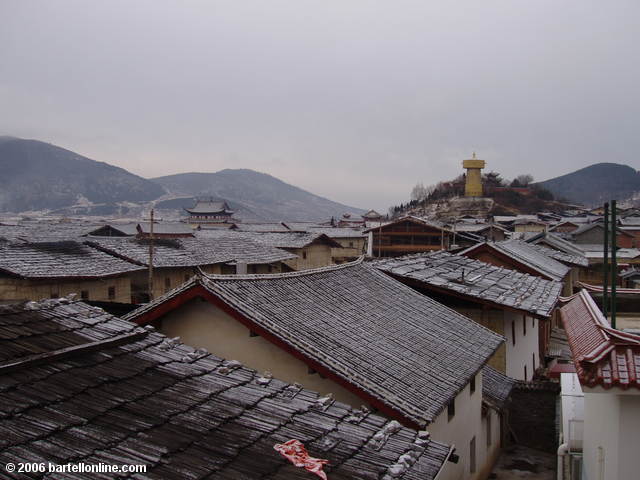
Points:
(294, 451)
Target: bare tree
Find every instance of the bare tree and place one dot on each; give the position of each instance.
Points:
(419, 192)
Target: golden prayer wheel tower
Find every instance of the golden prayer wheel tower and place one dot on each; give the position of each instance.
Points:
(473, 185)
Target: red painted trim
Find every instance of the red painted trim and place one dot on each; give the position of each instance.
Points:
(200, 291)
(171, 304)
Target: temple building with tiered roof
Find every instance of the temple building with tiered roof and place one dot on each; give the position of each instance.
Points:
(207, 211)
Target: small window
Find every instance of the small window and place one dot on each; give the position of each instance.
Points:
(472, 455)
(350, 244)
(489, 439)
(533, 360)
(451, 409)
(524, 326)
(513, 332)
(525, 373)
(533, 323)
(111, 293)
(84, 294)
(304, 255)
(472, 385)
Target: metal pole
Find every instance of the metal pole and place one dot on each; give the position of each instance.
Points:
(614, 264)
(380, 240)
(151, 257)
(605, 263)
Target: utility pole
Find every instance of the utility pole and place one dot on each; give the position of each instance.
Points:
(605, 263)
(614, 263)
(151, 257)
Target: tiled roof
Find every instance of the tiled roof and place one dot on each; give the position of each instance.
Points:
(397, 346)
(563, 257)
(271, 239)
(60, 259)
(557, 242)
(585, 228)
(78, 385)
(630, 221)
(183, 252)
(165, 228)
(46, 231)
(204, 207)
(496, 387)
(262, 227)
(476, 280)
(602, 355)
(337, 232)
(596, 250)
(527, 255)
(191, 252)
(417, 220)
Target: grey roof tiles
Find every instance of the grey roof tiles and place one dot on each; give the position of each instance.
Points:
(476, 280)
(496, 387)
(83, 386)
(60, 259)
(526, 254)
(398, 346)
(191, 252)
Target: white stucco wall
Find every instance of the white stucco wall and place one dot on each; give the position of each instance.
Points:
(459, 431)
(201, 324)
(611, 434)
(525, 350)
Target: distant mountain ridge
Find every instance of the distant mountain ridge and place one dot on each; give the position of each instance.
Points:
(40, 176)
(595, 184)
(265, 196)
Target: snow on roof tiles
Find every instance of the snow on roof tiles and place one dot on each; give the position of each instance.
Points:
(80, 385)
(398, 346)
(476, 280)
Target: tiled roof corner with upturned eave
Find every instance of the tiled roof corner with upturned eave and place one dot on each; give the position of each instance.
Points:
(475, 280)
(603, 356)
(407, 354)
(79, 385)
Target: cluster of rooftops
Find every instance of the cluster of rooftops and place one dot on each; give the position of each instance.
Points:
(147, 398)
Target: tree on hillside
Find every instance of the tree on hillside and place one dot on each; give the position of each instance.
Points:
(492, 179)
(419, 192)
(522, 180)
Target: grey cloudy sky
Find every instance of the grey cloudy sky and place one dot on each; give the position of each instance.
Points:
(353, 100)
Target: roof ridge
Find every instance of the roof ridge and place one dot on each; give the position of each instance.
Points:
(298, 273)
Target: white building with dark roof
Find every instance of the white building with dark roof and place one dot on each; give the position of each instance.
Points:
(352, 331)
(511, 303)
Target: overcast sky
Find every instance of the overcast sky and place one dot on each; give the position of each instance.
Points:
(352, 100)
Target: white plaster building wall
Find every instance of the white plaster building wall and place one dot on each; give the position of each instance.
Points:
(601, 431)
(525, 350)
(489, 451)
(201, 324)
(629, 439)
(466, 424)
